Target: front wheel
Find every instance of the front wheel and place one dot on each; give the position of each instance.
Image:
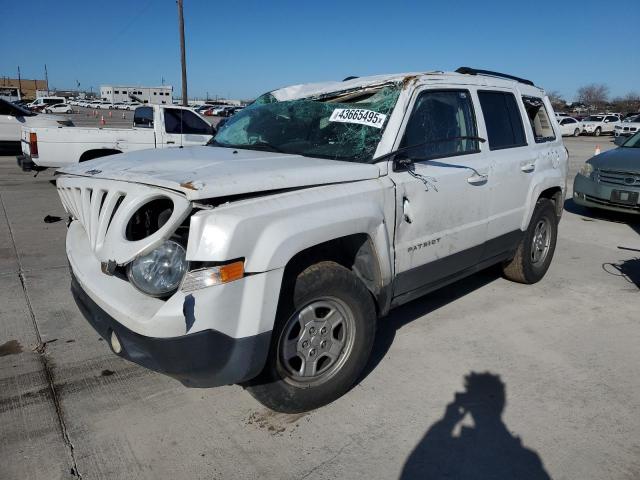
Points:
(535, 250)
(321, 341)
(576, 132)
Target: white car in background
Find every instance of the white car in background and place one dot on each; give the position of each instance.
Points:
(59, 108)
(131, 106)
(626, 128)
(93, 104)
(570, 126)
(14, 117)
(104, 105)
(599, 124)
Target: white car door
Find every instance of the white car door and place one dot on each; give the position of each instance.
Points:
(514, 163)
(184, 128)
(442, 194)
(532, 147)
(609, 124)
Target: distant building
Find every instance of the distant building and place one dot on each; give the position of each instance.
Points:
(27, 87)
(124, 93)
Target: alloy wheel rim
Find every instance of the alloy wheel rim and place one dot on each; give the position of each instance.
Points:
(316, 342)
(541, 242)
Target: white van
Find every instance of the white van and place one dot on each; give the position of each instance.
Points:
(44, 101)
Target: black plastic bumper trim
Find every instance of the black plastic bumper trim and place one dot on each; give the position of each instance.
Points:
(203, 359)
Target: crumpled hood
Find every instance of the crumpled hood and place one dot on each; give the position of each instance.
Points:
(623, 159)
(209, 172)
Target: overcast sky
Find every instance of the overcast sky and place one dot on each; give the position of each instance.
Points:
(244, 48)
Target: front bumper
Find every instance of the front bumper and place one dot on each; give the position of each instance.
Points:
(203, 359)
(589, 193)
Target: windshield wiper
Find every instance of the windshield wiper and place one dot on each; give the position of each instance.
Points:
(248, 146)
(421, 144)
(263, 145)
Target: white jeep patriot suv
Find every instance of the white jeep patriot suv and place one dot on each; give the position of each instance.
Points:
(266, 257)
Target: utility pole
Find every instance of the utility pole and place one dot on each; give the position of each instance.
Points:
(19, 81)
(46, 77)
(183, 60)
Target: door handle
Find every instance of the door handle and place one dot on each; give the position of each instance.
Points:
(170, 142)
(478, 179)
(528, 168)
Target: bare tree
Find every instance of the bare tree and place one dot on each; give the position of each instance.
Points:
(556, 99)
(595, 95)
(627, 104)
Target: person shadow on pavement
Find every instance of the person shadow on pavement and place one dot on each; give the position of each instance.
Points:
(487, 450)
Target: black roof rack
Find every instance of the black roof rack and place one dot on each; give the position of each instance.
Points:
(352, 77)
(475, 71)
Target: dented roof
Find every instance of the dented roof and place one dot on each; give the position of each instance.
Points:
(307, 90)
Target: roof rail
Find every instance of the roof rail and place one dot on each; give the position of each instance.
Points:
(475, 71)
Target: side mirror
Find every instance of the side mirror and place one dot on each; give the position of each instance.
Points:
(401, 162)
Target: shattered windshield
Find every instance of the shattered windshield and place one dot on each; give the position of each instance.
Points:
(346, 126)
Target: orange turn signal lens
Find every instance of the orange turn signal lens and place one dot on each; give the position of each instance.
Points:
(231, 272)
(210, 276)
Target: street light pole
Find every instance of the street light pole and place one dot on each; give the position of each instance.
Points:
(183, 60)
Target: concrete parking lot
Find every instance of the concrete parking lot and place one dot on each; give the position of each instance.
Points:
(564, 352)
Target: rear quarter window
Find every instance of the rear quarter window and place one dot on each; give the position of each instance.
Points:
(538, 119)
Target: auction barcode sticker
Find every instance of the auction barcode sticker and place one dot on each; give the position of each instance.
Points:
(358, 115)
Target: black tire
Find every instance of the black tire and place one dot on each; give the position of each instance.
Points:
(523, 268)
(576, 132)
(279, 390)
(598, 132)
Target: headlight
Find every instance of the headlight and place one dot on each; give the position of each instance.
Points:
(160, 271)
(586, 170)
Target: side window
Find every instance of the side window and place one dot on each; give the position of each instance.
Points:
(440, 117)
(143, 117)
(502, 118)
(539, 120)
(184, 121)
(612, 118)
(569, 120)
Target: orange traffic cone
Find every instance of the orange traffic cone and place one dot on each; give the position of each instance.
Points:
(110, 114)
(102, 122)
(123, 116)
(95, 113)
(597, 152)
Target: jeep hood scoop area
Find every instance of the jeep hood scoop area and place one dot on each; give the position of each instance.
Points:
(210, 172)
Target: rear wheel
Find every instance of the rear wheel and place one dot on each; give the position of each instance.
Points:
(535, 251)
(321, 341)
(598, 132)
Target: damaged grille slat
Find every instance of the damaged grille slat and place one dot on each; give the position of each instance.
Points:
(104, 208)
(96, 205)
(106, 215)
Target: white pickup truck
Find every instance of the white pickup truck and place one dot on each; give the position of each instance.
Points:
(156, 126)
